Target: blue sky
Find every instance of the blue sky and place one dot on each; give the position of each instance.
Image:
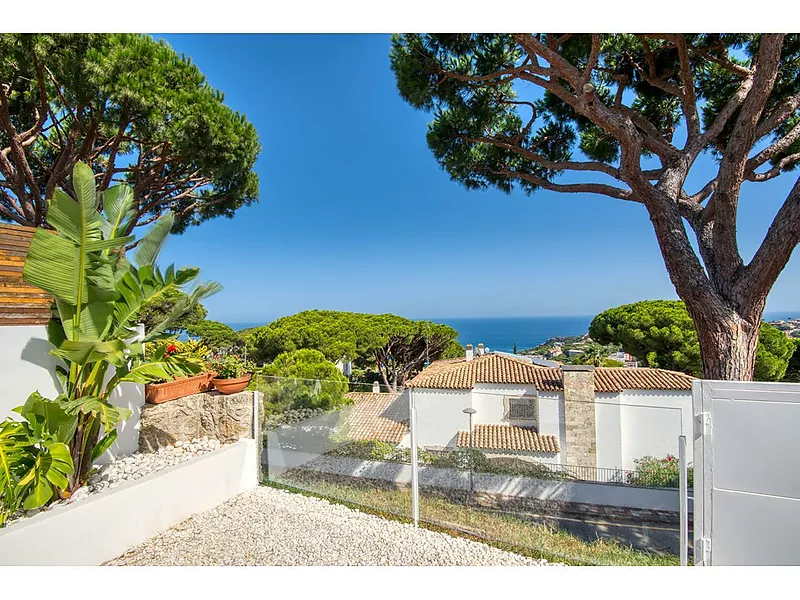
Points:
(355, 213)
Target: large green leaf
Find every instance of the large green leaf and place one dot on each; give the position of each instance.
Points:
(161, 370)
(52, 264)
(85, 352)
(84, 186)
(54, 420)
(50, 469)
(152, 242)
(104, 444)
(108, 414)
(118, 209)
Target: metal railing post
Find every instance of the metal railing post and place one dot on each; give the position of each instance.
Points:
(412, 419)
(683, 485)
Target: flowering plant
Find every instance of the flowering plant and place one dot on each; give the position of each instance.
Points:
(232, 367)
(657, 472)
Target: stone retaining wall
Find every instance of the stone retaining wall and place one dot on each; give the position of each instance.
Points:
(210, 414)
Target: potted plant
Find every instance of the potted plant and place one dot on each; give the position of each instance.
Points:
(164, 391)
(233, 374)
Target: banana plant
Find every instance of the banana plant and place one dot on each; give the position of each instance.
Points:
(98, 293)
(35, 461)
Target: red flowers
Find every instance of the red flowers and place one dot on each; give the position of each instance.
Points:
(171, 349)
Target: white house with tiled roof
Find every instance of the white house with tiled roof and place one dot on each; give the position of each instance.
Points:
(574, 414)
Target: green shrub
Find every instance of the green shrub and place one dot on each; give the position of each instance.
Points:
(658, 472)
(303, 379)
(232, 367)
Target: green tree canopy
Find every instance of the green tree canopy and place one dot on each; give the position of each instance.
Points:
(661, 334)
(132, 108)
(398, 347)
(303, 379)
(599, 113)
(773, 354)
(214, 335)
(793, 369)
(157, 309)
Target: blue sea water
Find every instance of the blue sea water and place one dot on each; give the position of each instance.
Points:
(501, 333)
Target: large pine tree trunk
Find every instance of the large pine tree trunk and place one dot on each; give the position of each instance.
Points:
(728, 343)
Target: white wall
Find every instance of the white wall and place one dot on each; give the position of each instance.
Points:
(102, 527)
(440, 416)
(637, 423)
(26, 366)
(652, 422)
(608, 430)
(508, 486)
(440, 413)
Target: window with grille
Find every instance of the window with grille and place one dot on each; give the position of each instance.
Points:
(523, 408)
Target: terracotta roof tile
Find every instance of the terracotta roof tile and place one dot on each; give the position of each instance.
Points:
(495, 368)
(382, 417)
(508, 437)
(20, 303)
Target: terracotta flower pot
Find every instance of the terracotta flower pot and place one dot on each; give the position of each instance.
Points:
(231, 386)
(156, 393)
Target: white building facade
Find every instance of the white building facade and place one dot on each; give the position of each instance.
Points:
(604, 417)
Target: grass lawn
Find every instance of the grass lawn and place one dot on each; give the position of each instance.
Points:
(502, 530)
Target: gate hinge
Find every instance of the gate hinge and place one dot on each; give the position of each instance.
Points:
(702, 551)
(702, 423)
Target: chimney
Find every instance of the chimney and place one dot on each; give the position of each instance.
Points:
(469, 352)
(480, 349)
(376, 387)
(579, 415)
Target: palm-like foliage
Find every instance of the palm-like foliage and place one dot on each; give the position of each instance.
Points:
(35, 460)
(98, 293)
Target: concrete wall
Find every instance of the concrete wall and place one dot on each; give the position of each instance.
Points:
(103, 527)
(505, 485)
(26, 366)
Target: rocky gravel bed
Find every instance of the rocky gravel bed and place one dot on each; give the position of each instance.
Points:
(137, 465)
(134, 467)
(267, 526)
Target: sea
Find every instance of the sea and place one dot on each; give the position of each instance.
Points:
(502, 333)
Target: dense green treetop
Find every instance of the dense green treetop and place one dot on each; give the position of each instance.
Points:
(793, 369)
(303, 379)
(336, 334)
(304, 364)
(773, 354)
(661, 334)
(397, 346)
(215, 335)
(157, 309)
(131, 107)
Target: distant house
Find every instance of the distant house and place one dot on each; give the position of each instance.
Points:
(624, 358)
(575, 414)
(345, 366)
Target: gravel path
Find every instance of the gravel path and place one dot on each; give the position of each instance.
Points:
(267, 526)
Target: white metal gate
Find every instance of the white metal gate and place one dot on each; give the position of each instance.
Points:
(746, 473)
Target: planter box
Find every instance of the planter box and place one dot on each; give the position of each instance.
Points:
(156, 393)
(131, 513)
